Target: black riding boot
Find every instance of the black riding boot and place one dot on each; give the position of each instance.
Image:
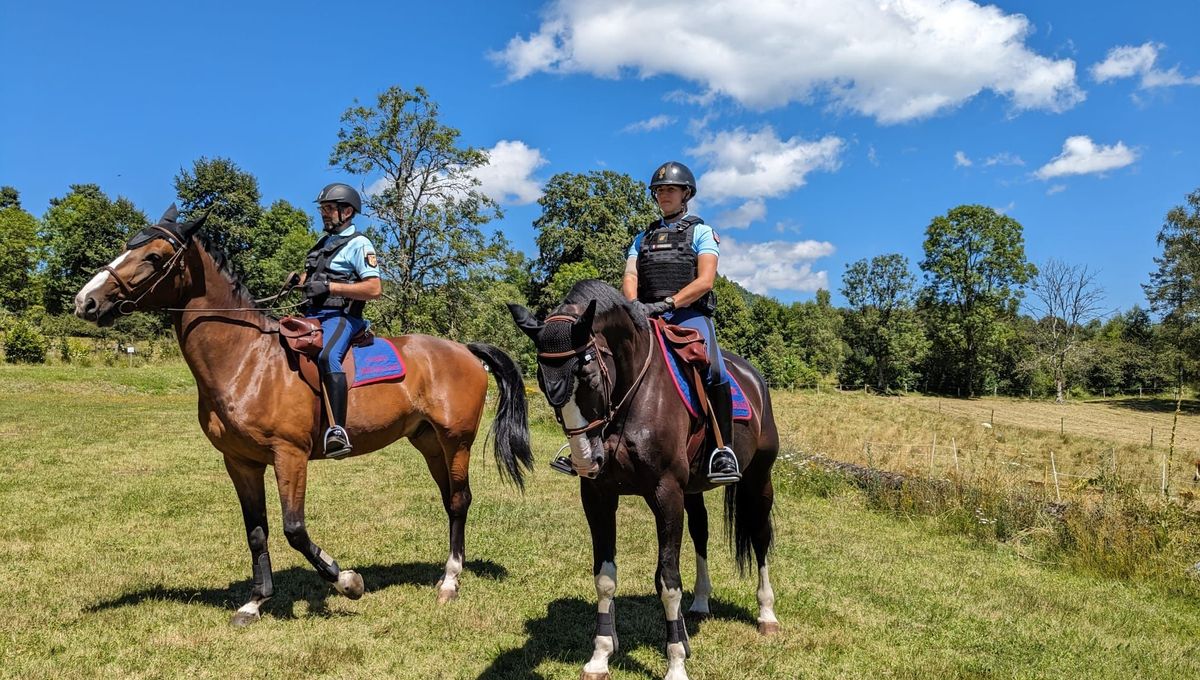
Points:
(337, 442)
(722, 463)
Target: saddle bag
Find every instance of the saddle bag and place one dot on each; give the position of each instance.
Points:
(302, 334)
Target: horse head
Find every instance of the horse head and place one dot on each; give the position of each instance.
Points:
(149, 274)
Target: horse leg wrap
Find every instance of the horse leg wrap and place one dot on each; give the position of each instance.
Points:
(677, 632)
(263, 588)
(606, 625)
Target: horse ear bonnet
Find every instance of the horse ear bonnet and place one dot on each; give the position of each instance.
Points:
(556, 375)
(168, 222)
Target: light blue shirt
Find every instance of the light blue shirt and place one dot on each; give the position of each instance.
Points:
(704, 240)
(357, 258)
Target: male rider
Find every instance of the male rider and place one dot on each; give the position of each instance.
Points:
(341, 273)
(670, 269)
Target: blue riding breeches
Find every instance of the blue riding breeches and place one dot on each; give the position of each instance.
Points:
(337, 329)
(690, 318)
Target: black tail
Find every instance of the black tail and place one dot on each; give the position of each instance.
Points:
(748, 503)
(510, 430)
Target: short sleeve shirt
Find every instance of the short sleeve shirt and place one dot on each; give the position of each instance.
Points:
(704, 240)
(357, 259)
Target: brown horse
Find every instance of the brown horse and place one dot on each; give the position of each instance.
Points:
(600, 368)
(257, 410)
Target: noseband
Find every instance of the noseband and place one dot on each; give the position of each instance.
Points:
(589, 351)
(127, 305)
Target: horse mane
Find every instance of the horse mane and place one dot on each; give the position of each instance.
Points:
(221, 259)
(607, 298)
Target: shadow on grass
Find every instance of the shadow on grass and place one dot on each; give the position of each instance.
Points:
(564, 635)
(302, 583)
(1154, 405)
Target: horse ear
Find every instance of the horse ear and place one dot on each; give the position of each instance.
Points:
(170, 215)
(584, 326)
(525, 321)
(192, 227)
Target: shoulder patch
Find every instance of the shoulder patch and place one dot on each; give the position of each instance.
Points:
(716, 237)
(372, 261)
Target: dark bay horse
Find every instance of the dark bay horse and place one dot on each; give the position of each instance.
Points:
(257, 411)
(601, 370)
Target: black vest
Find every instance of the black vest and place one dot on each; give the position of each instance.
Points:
(316, 268)
(667, 262)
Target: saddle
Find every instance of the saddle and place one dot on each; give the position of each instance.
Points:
(302, 335)
(688, 345)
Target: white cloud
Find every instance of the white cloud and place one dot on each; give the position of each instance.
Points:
(758, 164)
(650, 124)
(1081, 156)
(894, 61)
(507, 178)
(775, 265)
(1127, 61)
(741, 217)
(961, 160)
(1003, 158)
(872, 156)
(1056, 189)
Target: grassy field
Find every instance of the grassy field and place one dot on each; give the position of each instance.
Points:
(124, 557)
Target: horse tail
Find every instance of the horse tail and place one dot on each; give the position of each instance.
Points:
(748, 503)
(510, 429)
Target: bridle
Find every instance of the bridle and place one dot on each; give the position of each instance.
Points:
(128, 291)
(589, 351)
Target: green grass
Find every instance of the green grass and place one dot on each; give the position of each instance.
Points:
(124, 556)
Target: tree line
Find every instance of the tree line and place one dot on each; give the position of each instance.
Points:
(980, 319)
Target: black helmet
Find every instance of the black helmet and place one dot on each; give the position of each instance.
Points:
(341, 193)
(674, 172)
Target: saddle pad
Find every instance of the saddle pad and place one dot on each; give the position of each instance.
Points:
(377, 362)
(686, 392)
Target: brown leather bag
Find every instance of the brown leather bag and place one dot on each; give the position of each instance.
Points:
(302, 334)
(687, 343)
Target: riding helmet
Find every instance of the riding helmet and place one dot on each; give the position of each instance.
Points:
(341, 193)
(674, 172)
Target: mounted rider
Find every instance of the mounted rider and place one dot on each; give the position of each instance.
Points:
(341, 273)
(670, 269)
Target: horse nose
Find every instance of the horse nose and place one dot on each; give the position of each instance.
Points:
(87, 308)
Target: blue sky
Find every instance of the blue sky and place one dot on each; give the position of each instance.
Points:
(822, 131)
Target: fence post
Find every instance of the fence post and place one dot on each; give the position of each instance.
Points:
(1164, 475)
(1062, 425)
(1054, 468)
(1152, 437)
(992, 420)
(932, 448)
(954, 447)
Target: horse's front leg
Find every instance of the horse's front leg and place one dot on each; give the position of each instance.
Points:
(291, 475)
(697, 519)
(601, 510)
(667, 505)
(248, 481)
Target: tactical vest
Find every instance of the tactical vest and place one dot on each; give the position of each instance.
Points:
(316, 267)
(667, 262)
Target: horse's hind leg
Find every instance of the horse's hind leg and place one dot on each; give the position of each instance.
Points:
(248, 481)
(761, 537)
(449, 461)
(697, 516)
(291, 476)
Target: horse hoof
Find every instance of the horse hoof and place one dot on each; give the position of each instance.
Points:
(242, 619)
(699, 616)
(447, 594)
(350, 584)
(768, 627)
(594, 676)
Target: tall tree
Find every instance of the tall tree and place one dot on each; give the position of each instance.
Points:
(83, 231)
(277, 246)
(586, 226)
(9, 197)
(428, 203)
(814, 327)
(231, 197)
(974, 267)
(887, 342)
(19, 255)
(1174, 288)
(1065, 298)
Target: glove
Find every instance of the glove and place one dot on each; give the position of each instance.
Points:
(316, 288)
(656, 308)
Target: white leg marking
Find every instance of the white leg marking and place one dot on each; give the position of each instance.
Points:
(606, 589)
(672, 599)
(250, 608)
(703, 587)
(96, 282)
(450, 578)
(766, 597)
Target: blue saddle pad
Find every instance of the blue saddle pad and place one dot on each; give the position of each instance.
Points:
(377, 362)
(683, 386)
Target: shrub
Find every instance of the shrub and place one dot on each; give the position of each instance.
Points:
(24, 343)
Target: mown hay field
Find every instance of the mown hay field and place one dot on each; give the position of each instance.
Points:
(124, 556)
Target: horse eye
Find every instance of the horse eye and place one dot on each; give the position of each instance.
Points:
(153, 258)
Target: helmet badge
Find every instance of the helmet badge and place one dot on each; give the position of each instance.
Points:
(662, 172)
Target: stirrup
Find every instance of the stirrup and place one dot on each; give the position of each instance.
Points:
(337, 443)
(724, 477)
(563, 464)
